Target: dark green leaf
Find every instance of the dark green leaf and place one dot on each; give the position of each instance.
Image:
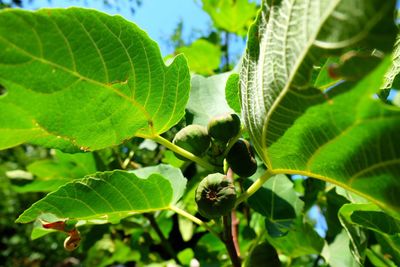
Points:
(369, 216)
(300, 240)
(278, 202)
(262, 254)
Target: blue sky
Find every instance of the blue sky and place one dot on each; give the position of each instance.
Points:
(158, 18)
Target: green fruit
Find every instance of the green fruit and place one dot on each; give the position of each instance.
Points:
(241, 159)
(193, 138)
(215, 196)
(224, 127)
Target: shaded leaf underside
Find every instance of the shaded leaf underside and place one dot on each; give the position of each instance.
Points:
(343, 136)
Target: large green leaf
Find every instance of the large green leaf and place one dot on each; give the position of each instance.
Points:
(111, 196)
(77, 78)
(207, 97)
(342, 136)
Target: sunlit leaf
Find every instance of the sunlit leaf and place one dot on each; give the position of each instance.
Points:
(111, 196)
(203, 57)
(231, 15)
(232, 92)
(81, 79)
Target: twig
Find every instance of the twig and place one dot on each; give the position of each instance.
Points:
(165, 243)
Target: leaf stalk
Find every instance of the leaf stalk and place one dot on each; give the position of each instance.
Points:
(254, 187)
(161, 140)
(194, 219)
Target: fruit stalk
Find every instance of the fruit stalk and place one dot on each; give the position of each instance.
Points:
(228, 240)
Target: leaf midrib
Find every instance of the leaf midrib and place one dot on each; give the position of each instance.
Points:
(300, 60)
(282, 94)
(81, 77)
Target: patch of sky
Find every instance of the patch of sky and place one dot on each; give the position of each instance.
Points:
(159, 18)
(320, 226)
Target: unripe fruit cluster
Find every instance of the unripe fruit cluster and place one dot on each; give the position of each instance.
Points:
(212, 143)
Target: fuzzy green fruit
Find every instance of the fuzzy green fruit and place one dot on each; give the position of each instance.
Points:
(193, 138)
(241, 159)
(215, 196)
(224, 127)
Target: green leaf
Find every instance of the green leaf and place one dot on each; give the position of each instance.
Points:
(174, 175)
(334, 202)
(337, 253)
(232, 92)
(185, 256)
(392, 80)
(262, 254)
(278, 202)
(207, 98)
(203, 57)
(53, 173)
(396, 99)
(111, 196)
(369, 216)
(79, 78)
(378, 259)
(323, 80)
(343, 136)
(231, 15)
(300, 240)
(390, 246)
(357, 235)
